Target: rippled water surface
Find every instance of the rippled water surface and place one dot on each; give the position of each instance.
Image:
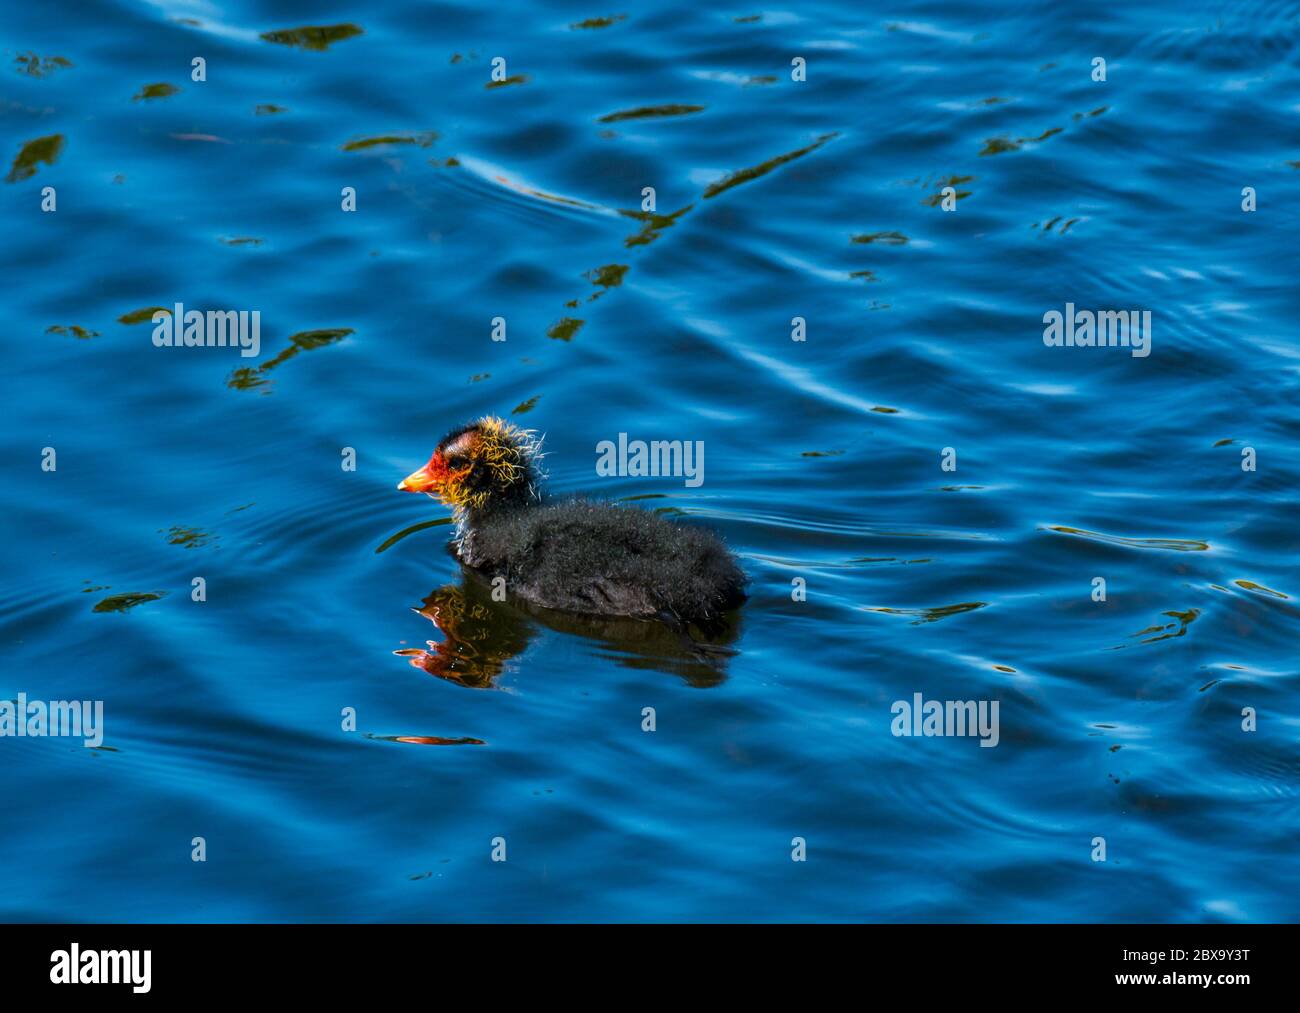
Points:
(522, 199)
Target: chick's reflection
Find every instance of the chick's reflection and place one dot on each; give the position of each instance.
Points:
(480, 636)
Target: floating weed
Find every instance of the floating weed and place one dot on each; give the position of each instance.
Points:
(607, 276)
(1179, 628)
(1176, 544)
(73, 329)
(763, 168)
(248, 378)
(565, 328)
(883, 238)
(999, 145)
(421, 139)
(591, 23)
(931, 615)
(152, 91)
(142, 315)
(650, 112)
(1048, 225)
(313, 37)
(936, 198)
(190, 538)
(125, 602)
(37, 66)
(652, 225)
(33, 152)
(1250, 585)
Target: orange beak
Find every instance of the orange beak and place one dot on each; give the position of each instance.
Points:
(419, 481)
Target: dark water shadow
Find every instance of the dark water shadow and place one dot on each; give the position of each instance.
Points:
(480, 636)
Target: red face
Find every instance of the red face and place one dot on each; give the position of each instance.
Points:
(432, 477)
(447, 469)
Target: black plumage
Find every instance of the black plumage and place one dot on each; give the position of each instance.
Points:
(600, 559)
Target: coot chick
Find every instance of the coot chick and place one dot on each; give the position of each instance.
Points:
(575, 555)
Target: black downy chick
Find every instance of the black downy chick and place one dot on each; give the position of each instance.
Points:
(575, 555)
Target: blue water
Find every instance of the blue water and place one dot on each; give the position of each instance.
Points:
(1119, 719)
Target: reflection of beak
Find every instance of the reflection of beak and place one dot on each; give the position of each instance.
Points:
(418, 481)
